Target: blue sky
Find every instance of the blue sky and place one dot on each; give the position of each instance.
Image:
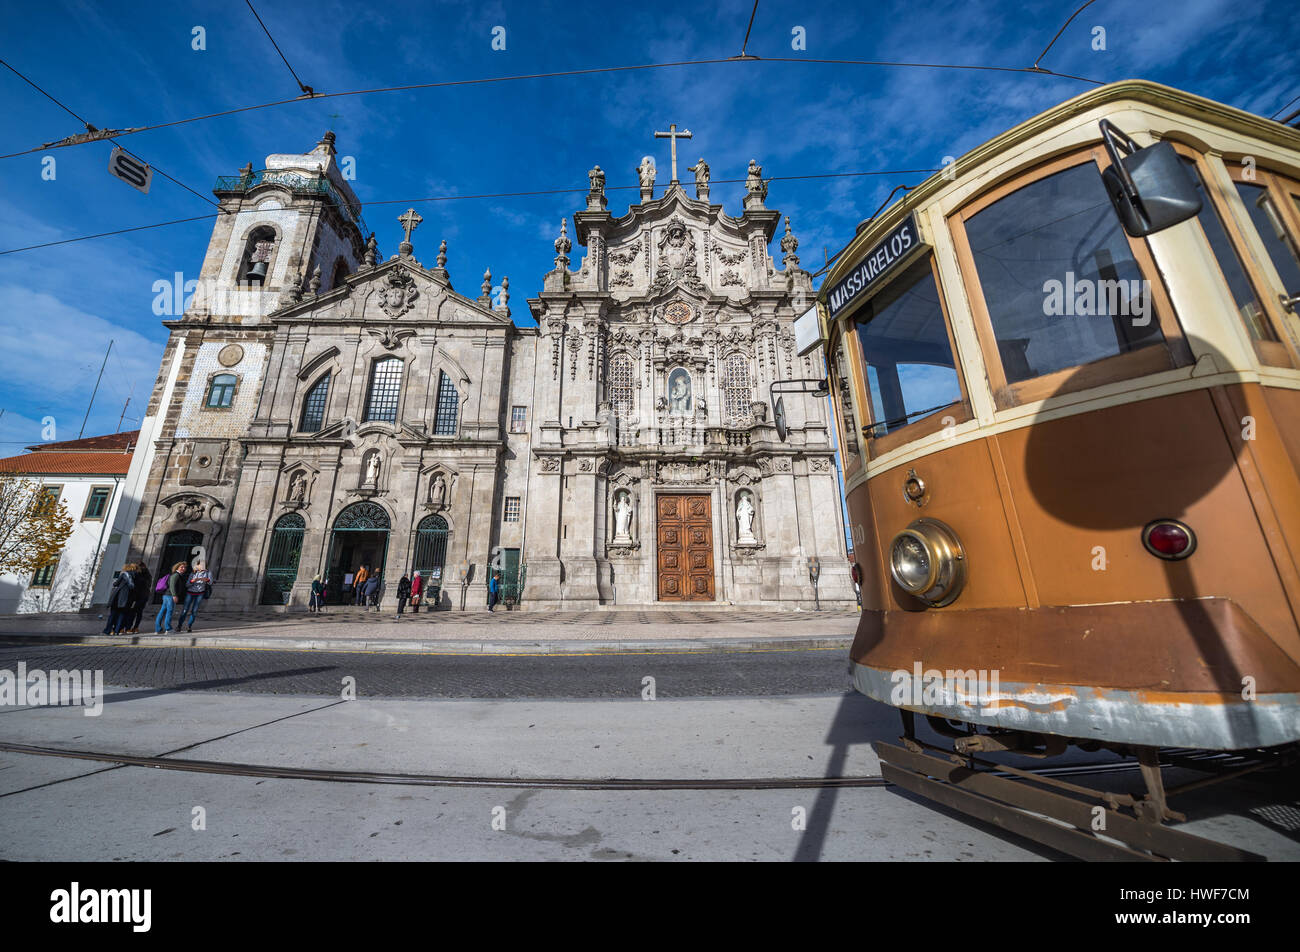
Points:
(125, 64)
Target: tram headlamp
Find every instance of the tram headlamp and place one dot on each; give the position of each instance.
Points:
(927, 561)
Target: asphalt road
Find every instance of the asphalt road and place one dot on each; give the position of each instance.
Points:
(320, 673)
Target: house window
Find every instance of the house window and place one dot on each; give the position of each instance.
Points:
(737, 392)
(385, 389)
(97, 504)
(444, 423)
(222, 390)
(313, 407)
(512, 509)
(44, 576)
(622, 392)
(518, 419)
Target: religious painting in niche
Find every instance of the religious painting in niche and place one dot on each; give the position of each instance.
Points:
(680, 399)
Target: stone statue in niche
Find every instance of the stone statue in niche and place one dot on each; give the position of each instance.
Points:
(679, 392)
(372, 469)
(745, 519)
(438, 491)
(298, 487)
(622, 516)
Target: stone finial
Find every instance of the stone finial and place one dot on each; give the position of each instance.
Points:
(503, 302)
(562, 246)
(409, 220)
(314, 283)
(292, 293)
(326, 143)
(372, 251)
(486, 296)
(442, 255)
(789, 245)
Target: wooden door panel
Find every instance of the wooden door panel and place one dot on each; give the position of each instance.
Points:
(685, 534)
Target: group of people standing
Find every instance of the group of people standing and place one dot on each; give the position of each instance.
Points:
(133, 586)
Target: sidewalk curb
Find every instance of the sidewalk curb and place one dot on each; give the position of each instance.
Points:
(666, 646)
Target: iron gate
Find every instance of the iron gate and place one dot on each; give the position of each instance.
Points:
(431, 556)
(282, 560)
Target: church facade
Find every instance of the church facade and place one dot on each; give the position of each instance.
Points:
(320, 408)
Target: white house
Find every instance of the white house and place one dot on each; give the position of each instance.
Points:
(88, 477)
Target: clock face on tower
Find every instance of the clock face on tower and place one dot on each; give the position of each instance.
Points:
(679, 312)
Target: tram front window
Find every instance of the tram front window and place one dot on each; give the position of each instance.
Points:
(1268, 222)
(1058, 276)
(911, 372)
(1234, 273)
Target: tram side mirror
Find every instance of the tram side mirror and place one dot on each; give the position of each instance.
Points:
(778, 417)
(1149, 187)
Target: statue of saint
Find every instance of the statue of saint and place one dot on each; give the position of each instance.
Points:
(745, 518)
(647, 172)
(622, 515)
(372, 469)
(701, 170)
(438, 491)
(298, 488)
(754, 183)
(597, 177)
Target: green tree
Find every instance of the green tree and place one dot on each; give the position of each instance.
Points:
(34, 525)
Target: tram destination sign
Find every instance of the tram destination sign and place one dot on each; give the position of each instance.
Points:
(900, 245)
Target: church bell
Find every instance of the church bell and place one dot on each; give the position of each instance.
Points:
(257, 273)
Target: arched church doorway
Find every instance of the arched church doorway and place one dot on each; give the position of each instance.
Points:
(360, 537)
(178, 546)
(431, 556)
(282, 559)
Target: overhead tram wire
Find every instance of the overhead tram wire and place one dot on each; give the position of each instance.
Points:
(307, 90)
(457, 198)
(562, 73)
(1036, 67)
(90, 128)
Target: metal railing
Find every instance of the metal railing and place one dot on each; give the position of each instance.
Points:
(297, 183)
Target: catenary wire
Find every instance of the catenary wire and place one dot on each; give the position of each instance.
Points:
(306, 89)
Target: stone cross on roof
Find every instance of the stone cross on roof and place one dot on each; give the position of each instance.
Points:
(673, 135)
(409, 222)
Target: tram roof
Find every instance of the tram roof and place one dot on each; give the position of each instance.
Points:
(1139, 91)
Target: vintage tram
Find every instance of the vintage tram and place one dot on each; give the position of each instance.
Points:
(1066, 373)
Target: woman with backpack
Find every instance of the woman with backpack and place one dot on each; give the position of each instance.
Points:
(120, 601)
(171, 585)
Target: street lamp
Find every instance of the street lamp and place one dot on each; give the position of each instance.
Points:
(464, 583)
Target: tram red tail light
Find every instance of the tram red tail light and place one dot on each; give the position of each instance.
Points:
(1169, 539)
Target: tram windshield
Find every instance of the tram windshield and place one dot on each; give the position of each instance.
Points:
(911, 372)
(1058, 277)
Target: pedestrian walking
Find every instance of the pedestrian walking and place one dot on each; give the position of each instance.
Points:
(359, 586)
(403, 593)
(173, 587)
(317, 595)
(371, 593)
(197, 589)
(120, 599)
(140, 593)
(417, 589)
(494, 587)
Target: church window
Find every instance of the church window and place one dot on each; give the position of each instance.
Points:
(385, 390)
(221, 392)
(313, 408)
(737, 393)
(622, 391)
(340, 272)
(512, 509)
(518, 419)
(444, 423)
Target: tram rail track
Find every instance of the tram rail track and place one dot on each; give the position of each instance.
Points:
(265, 771)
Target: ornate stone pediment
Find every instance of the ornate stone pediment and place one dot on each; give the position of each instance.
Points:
(186, 508)
(677, 261)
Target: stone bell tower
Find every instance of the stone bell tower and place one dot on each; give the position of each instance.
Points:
(290, 229)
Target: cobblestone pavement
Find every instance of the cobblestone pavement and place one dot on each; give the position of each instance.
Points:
(691, 674)
(349, 623)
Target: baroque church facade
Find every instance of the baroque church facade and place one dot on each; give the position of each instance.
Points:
(319, 407)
